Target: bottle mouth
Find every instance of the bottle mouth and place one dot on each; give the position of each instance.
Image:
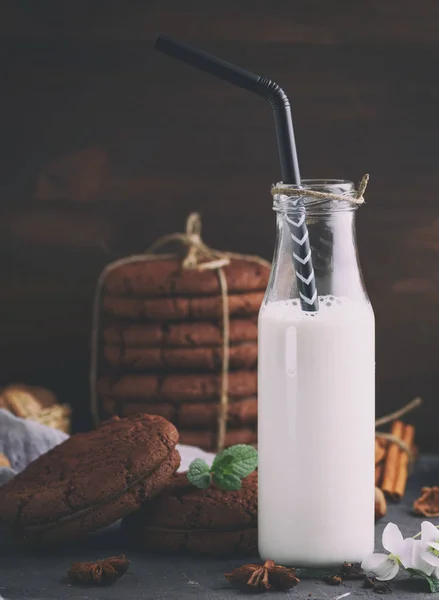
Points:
(285, 202)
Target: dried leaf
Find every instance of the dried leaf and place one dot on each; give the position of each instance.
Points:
(428, 502)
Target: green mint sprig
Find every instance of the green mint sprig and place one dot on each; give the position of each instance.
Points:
(228, 469)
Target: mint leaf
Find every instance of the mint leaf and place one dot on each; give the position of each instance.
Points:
(239, 460)
(222, 460)
(432, 581)
(199, 473)
(227, 481)
(229, 467)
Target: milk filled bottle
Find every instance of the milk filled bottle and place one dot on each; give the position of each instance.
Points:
(316, 392)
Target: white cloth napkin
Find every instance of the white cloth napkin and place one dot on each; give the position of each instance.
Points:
(22, 440)
(189, 453)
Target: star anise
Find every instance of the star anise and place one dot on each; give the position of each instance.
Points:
(428, 503)
(101, 572)
(263, 577)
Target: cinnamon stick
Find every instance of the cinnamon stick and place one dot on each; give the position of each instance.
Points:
(378, 474)
(404, 460)
(397, 461)
(380, 450)
(391, 463)
(380, 454)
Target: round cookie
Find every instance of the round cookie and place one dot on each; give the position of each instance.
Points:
(242, 356)
(179, 335)
(188, 415)
(186, 519)
(166, 277)
(180, 307)
(91, 480)
(179, 387)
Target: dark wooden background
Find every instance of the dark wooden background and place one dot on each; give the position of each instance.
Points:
(105, 144)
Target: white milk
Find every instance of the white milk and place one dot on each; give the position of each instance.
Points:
(316, 432)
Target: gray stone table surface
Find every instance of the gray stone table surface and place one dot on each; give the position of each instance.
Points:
(157, 577)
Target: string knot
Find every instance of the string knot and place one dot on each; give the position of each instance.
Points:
(356, 198)
(193, 227)
(198, 255)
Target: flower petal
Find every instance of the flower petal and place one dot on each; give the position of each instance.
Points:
(434, 545)
(381, 565)
(429, 557)
(418, 561)
(388, 570)
(392, 538)
(406, 552)
(429, 533)
(373, 560)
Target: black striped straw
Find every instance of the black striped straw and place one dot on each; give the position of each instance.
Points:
(286, 144)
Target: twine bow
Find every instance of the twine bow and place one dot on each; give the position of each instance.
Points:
(197, 251)
(197, 256)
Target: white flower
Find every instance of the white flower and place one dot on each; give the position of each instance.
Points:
(426, 552)
(418, 561)
(386, 566)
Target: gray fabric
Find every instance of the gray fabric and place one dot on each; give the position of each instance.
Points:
(22, 441)
(5, 475)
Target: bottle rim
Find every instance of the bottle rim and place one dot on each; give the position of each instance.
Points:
(344, 184)
(287, 202)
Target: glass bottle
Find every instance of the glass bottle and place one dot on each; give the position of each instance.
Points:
(316, 394)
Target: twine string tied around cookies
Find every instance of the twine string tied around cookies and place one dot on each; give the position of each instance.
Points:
(202, 258)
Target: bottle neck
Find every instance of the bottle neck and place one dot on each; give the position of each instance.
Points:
(331, 230)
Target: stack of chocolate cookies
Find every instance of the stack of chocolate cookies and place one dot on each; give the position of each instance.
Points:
(160, 345)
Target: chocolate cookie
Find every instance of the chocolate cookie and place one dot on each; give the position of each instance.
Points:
(188, 415)
(167, 278)
(242, 356)
(179, 335)
(178, 388)
(178, 308)
(209, 522)
(91, 480)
